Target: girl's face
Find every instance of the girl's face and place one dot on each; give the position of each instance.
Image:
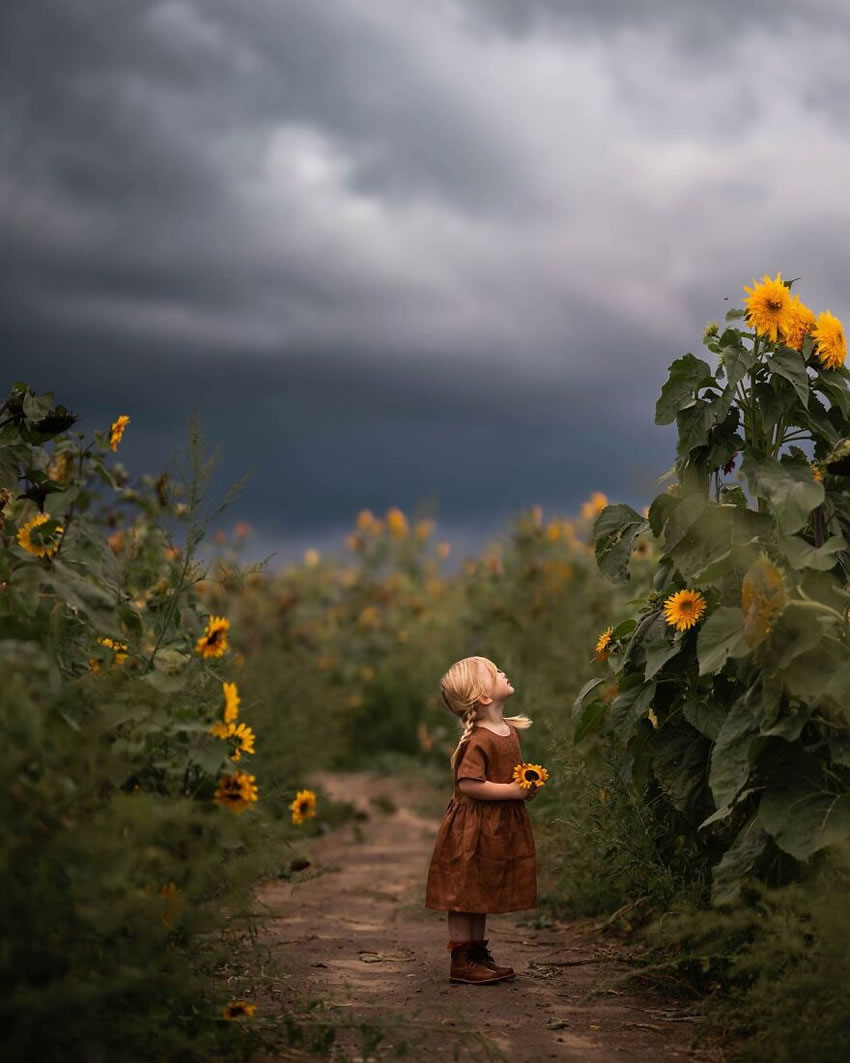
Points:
(502, 687)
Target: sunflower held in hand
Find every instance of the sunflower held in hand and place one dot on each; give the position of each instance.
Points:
(528, 775)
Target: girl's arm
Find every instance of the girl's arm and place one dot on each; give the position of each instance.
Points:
(495, 791)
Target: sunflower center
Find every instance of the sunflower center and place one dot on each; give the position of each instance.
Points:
(531, 775)
(774, 305)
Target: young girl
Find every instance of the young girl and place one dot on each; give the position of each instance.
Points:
(484, 856)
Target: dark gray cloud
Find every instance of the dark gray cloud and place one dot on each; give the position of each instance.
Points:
(395, 251)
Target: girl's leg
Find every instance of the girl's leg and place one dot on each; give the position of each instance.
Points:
(460, 926)
(478, 926)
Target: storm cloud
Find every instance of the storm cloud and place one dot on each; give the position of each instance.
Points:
(396, 253)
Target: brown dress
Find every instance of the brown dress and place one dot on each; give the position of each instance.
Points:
(484, 857)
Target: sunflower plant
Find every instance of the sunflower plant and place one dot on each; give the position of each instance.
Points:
(733, 671)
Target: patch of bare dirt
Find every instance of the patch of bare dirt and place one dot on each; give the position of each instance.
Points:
(356, 936)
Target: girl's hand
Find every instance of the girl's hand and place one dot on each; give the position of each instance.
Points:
(531, 792)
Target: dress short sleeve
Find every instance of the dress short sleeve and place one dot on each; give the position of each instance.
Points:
(472, 762)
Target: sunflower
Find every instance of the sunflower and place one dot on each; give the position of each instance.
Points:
(528, 775)
(801, 322)
(303, 806)
(118, 648)
(245, 737)
(594, 505)
(239, 1009)
(683, 609)
(213, 642)
(769, 307)
(45, 543)
(117, 430)
(232, 702)
(603, 646)
(763, 598)
(236, 791)
(829, 336)
(396, 522)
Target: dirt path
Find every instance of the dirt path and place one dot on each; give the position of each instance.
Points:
(357, 937)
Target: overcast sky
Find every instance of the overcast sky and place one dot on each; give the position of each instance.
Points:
(435, 253)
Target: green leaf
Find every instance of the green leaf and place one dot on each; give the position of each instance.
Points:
(790, 365)
(801, 554)
(790, 489)
(8, 471)
(658, 653)
(628, 707)
(735, 315)
(679, 522)
(625, 627)
(685, 375)
(706, 716)
(589, 720)
(730, 757)
(738, 361)
(591, 684)
(721, 636)
(834, 387)
(738, 861)
(679, 764)
(615, 531)
(803, 814)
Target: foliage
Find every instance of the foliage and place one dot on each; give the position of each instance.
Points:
(732, 675)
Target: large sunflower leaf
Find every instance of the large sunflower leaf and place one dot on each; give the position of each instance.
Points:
(685, 375)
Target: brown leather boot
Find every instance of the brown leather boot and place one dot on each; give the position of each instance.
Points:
(465, 969)
(481, 954)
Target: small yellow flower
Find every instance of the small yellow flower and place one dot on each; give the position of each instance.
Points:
(117, 430)
(769, 307)
(396, 522)
(594, 506)
(220, 729)
(236, 792)
(369, 617)
(119, 649)
(365, 520)
(352, 541)
(213, 642)
(232, 701)
(553, 531)
(683, 609)
(303, 806)
(43, 543)
(423, 528)
(829, 336)
(816, 472)
(311, 557)
(528, 775)
(603, 646)
(60, 467)
(239, 1009)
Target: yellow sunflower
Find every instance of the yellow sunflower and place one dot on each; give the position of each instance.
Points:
(683, 609)
(768, 306)
(594, 505)
(396, 522)
(239, 1009)
(603, 646)
(232, 702)
(829, 336)
(118, 648)
(236, 791)
(213, 642)
(44, 543)
(801, 321)
(528, 775)
(117, 430)
(303, 806)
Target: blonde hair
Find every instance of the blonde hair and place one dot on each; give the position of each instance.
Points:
(462, 686)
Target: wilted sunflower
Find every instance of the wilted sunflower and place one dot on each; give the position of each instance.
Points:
(816, 472)
(829, 336)
(117, 430)
(683, 609)
(769, 306)
(801, 321)
(303, 806)
(232, 702)
(42, 544)
(603, 646)
(213, 642)
(528, 775)
(763, 597)
(236, 791)
(239, 1009)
